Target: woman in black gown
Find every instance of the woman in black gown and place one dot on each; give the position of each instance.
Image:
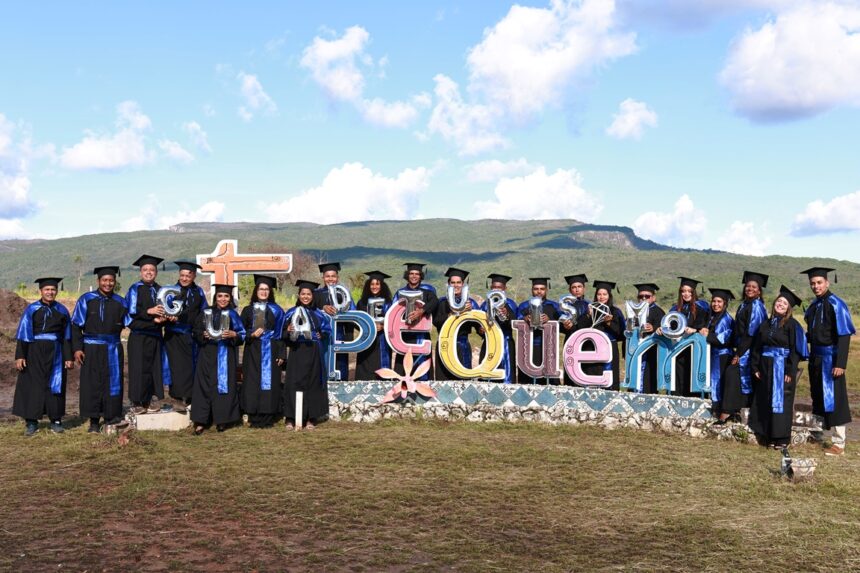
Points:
(612, 326)
(379, 354)
(305, 372)
(720, 336)
(778, 348)
(263, 355)
(696, 312)
(215, 397)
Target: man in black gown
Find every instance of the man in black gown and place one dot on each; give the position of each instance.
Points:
(180, 345)
(549, 311)
(414, 276)
(322, 301)
(647, 292)
(42, 355)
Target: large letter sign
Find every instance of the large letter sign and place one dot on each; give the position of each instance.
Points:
(549, 367)
(362, 341)
(489, 367)
(395, 326)
(575, 356)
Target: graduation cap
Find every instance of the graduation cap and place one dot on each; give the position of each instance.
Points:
(603, 284)
(722, 293)
(455, 272)
(649, 287)
(329, 267)
(792, 298)
(541, 281)
(580, 278)
(497, 278)
(48, 281)
(692, 283)
(760, 278)
(272, 282)
(102, 271)
(147, 260)
(378, 275)
(219, 288)
(187, 266)
(819, 272)
(301, 283)
(414, 266)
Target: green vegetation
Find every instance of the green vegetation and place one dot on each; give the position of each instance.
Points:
(416, 497)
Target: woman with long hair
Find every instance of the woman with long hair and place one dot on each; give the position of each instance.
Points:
(696, 313)
(263, 355)
(778, 348)
(379, 354)
(612, 326)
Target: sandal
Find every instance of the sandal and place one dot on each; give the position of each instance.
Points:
(199, 430)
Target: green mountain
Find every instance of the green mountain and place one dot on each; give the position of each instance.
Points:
(521, 249)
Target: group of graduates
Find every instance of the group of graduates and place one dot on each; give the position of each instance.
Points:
(755, 355)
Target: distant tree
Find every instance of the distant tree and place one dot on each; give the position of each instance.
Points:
(79, 265)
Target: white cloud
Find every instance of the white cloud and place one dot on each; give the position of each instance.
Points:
(539, 195)
(530, 58)
(13, 229)
(355, 193)
(493, 170)
(172, 150)
(742, 237)
(153, 216)
(631, 120)
(840, 214)
(15, 181)
(471, 127)
(124, 148)
(803, 62)
(681, 227)
(335, 65)
(197, 136)
(256, 98)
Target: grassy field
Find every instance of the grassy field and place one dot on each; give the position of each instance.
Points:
(416, 497)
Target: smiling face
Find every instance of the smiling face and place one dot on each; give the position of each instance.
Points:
(413, 278)
(375, 286)
(49, 293)
(752, 290)
(539, 291)
(222, 299)
(107, 283)
(263, 292)
(148, 273)
(718, 304)
(186, 277)
(577, 289)
(781, 306)
(601, 295)
(457, 283)
(306, 295)
(819, 285)
(646, 296)
(498, 285)
(686, 293)
(330, 278)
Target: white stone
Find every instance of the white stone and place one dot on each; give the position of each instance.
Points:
(162, 421)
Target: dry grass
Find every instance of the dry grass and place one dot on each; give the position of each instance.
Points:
(418, 496)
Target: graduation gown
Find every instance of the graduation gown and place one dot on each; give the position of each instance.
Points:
(683, 368)
(776, 351)
(649, 360)
(97, 322)
(180, 345)
(378, 356)
(261, 398)
(464, 349)
(551, 309)
(305, 371)
(509, 359)
(344, 331)
(721, 346)
(428, 296)
(148, 371)
(829, 330)
(44, 340)
(614, 329)
(738, 379)
(215, 397)
(581, 306)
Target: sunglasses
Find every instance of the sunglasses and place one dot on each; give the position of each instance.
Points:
(644, 296)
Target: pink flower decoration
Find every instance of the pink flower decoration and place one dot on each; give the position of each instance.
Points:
(406, 384)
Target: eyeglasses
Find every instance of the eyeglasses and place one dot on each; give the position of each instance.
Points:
(644, 296)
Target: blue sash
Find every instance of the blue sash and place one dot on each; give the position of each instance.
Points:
(223, 368)
(57, 369)
(826, 353)
(778, 355)
(266, 359)
(717, 373)
(112, 342)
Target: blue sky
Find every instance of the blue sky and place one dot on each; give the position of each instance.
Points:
(725, 124)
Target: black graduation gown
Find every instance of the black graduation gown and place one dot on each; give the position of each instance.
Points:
(551, 310)
(649, 361)
(305, 372)
(377, 356)
(614, 329)
(722, 351)
(581, 310)
(683, 363)
(822, 330)
(344, 331)
(431, 301)
(262, 406)
(464, 349)
(145, 378)
(509, 361)
(99, 319)
(775, 427)
(34, 397)
(208, 406)
(748, 318)
(180, 345)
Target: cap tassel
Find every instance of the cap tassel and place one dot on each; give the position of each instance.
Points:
(702, 292)
(61, 285)
(163, 267)
(835, 278)
(118, 272)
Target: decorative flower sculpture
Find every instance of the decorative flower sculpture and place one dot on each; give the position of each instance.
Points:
(406, 384)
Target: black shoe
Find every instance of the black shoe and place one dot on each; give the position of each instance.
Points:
(31, 429)
(221, 427)
(57, 427)
(93, 429)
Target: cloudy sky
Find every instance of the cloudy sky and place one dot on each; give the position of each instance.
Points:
(728, 124)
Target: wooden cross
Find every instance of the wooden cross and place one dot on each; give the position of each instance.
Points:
(224, 263)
